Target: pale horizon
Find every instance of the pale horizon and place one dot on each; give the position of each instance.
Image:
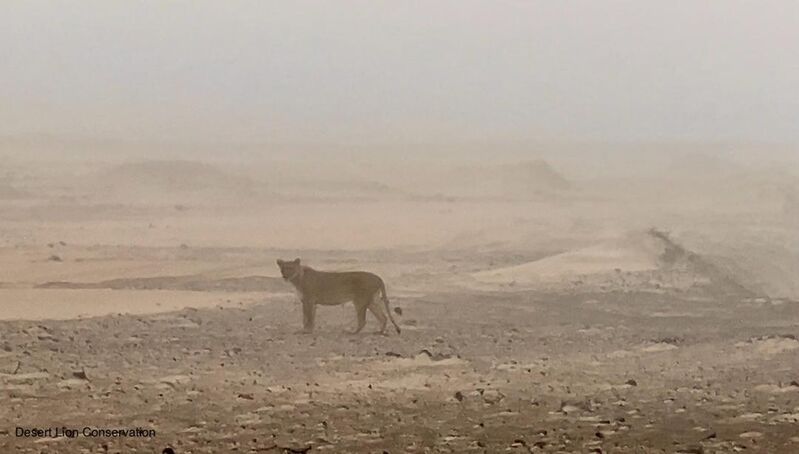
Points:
(383, 72)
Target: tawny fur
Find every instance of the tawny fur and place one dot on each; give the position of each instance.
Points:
(333, 288)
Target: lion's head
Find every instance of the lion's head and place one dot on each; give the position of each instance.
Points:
(290, 269)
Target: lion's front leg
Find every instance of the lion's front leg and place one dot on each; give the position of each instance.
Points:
(308, 315)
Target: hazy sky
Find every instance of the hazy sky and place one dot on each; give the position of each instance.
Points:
(401, 70)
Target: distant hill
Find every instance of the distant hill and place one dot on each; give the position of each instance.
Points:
(518, 180)
(172, 180)
(535, 175)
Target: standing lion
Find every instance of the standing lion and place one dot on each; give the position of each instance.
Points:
(333, 288)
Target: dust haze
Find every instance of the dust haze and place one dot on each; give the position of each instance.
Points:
(613, 271)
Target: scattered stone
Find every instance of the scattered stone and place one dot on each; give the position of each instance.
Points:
(247, 419)
(25, 378)
(751, 435)
(775, 389)
(72, 383)
(437, 356)
(572, 407)
(175, 380)
(673, 340)
(492, 396)
(693, 449)
(658, 347)
(81, 375)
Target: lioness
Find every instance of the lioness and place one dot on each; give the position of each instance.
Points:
(332, 288)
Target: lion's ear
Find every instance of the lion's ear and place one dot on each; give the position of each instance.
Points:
(297, 261)
(280, 262)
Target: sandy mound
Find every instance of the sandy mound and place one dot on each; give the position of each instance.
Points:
(634, 252)
(766, 263)
(172, 180)
(637, 261)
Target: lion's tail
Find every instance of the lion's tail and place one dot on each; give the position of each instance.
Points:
(384, 297)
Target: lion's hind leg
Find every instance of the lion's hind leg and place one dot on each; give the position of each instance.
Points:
(377, 311)
(361, 306)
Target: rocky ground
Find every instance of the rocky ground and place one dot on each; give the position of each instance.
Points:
(512, 371)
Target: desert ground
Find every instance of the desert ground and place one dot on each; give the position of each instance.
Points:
(548, 303)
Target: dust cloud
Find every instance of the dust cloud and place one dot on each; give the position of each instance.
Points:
(586, 218)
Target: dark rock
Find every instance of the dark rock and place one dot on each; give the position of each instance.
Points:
(81, 374)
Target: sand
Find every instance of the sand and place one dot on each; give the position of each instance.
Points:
(554, 320)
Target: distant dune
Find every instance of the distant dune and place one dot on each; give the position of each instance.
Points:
(535, 175)
(517, 180)
(168, 180)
